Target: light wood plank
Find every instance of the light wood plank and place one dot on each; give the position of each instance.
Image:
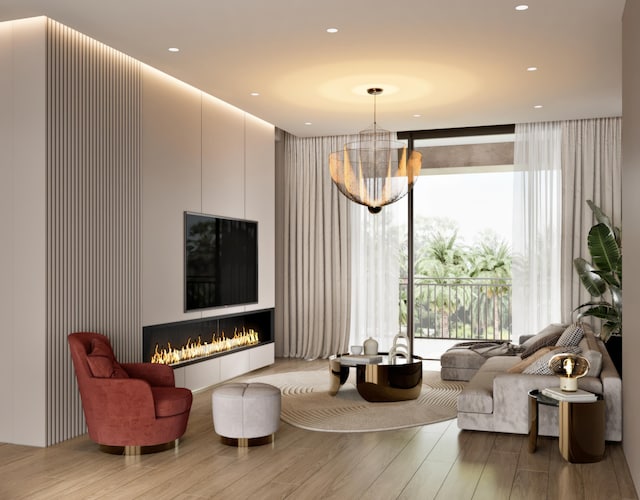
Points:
(497, 476)
(435, 461)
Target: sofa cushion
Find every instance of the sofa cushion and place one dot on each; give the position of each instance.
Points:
(541, 365)
(591, 351)
(170, 401)
(102, 362)
(572, 335)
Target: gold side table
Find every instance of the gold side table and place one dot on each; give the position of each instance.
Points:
(581, 427)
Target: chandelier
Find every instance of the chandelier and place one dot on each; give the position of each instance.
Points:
(374, 171)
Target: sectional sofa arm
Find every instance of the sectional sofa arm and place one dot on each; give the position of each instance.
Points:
(510, 399)
(612, 392)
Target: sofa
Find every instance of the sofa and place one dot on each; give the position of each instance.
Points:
(495, 398)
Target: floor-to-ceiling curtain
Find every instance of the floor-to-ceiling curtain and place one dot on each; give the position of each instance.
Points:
(376, 251)
(537, 227)
(591, 170)
(316, 252)
(559, 166)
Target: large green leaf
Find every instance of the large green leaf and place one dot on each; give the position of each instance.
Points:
(602, 311)
(603, 248)
(592, 281)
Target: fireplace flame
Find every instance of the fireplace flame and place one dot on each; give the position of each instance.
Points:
(199, 349)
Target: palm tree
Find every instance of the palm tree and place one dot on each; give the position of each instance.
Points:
(441, 259)
(491, 258)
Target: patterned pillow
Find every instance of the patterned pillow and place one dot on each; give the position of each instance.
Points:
(572, 335)
(541, 365)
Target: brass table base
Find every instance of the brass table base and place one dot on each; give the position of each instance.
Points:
(581, 437)
(581, 428)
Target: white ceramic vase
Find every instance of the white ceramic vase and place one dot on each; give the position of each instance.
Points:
(370, 346)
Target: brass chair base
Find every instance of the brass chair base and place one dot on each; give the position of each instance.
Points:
(246, 442)
(138, 450)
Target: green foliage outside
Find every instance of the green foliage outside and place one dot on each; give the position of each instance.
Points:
(461, 291)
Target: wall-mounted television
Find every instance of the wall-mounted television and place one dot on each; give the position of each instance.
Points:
(220, 261)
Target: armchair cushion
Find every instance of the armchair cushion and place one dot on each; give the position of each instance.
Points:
(169, 401)
(102, 362)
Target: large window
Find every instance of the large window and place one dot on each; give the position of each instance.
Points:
(462, 207)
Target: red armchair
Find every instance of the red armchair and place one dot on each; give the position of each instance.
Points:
(128, 404)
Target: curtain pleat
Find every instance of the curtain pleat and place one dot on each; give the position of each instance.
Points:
(316, 269)
(591, 170)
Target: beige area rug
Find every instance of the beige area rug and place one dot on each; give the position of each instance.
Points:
(307, 404)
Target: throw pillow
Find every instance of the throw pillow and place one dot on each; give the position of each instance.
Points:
(102, 362)
(522, 365)
(547, 330)
(100, 366)
(545, 340)
(541, 365)
(572, 335)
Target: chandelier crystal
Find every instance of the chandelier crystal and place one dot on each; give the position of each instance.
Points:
(375, 170)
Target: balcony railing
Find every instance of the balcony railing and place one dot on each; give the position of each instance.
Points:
(460, 308)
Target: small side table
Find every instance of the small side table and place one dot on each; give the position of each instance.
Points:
(581, 427)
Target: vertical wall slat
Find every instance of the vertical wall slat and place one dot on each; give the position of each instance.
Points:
(93, 211)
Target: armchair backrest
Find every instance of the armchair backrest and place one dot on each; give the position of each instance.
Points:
(80, 344)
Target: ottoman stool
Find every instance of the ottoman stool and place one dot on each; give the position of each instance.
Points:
(246, 414)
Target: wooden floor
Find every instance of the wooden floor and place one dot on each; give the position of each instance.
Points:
(434, 461)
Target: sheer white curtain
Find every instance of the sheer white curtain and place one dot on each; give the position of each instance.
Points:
(316, 272)
(537, 231)
(591, 170)
(375, 261)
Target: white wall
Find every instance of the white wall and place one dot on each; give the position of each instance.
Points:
(23, 229)
(201, 155)
(631, 235)
(198, 154)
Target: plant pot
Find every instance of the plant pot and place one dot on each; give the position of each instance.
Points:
(614, 348)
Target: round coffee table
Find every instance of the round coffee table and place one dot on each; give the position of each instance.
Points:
(379, 382)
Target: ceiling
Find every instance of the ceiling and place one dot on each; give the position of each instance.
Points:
(442, 63)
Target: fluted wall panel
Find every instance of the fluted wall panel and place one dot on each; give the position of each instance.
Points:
(93, 210)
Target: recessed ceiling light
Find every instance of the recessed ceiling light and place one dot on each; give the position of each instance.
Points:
(522, 7)
(173, 49)
(308, 123)
(332, 30)
(417, 115)
(532, 68)
(255, 94)
(538, 106)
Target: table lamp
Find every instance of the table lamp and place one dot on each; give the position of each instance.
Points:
(569, 367)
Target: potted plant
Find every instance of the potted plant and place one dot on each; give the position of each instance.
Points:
(602, 277)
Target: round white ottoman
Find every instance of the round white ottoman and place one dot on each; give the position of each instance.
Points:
(246, 414)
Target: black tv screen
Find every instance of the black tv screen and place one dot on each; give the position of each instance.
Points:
(221, 261)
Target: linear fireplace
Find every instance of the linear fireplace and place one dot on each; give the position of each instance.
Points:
(186, 342)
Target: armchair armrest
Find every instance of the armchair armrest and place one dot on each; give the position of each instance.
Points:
(157, 375)
(118, 399)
